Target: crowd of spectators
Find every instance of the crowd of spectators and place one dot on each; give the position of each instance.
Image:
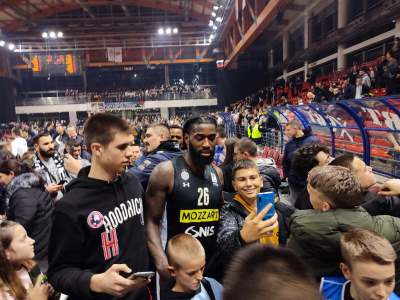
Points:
(339, 225)
(91, 205)
(379, 77)
(159, 92)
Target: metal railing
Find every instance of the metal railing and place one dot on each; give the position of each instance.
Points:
(365, 127)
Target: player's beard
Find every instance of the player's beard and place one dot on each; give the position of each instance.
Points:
(197, 158)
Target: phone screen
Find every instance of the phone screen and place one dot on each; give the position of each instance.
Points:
(263, 199)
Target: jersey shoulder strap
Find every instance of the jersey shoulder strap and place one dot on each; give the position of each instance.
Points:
(178, 162)
(208, 288)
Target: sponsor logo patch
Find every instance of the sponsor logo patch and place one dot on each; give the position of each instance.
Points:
(199, 232)
(198, 215)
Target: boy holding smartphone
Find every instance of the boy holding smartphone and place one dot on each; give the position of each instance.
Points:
(240, 223)
(368, 268)
(187, 260)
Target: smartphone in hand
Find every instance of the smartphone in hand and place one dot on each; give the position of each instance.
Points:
(263, 199)
(146, 275)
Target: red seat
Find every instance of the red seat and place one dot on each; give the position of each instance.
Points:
(381, 142)
(357, 139)
(382, 153)
(354, 148)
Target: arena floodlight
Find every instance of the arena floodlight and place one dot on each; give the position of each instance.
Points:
(11, 46)
(215, 7)
(60, 34)
(2, 43)
(45, 35)
(175, 30)
(161, 31)
(52, 35)
(168, 31)
(213, 14)
(218, 19)
(215, 27)
(211, 23)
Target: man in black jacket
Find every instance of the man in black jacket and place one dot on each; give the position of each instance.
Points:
(349, 90)
(304, 159)
(298, 138)
(98, 231)
(159, 148)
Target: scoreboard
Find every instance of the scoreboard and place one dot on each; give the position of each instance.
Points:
(56, 64)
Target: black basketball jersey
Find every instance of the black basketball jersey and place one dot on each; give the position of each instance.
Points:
(193, 206)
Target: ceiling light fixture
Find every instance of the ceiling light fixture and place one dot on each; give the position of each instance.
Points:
(52, 35)
(168, 30)
(11, 46)
(218, 19)
(161, 31)
(175, 30)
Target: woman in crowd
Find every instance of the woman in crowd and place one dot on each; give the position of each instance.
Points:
(29, 204)
(227, 165)
(16, 254)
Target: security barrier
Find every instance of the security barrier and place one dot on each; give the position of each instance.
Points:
(369, 128)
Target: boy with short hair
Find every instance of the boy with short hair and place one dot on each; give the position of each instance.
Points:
(368, 267)
(336, 195)
(187, 259)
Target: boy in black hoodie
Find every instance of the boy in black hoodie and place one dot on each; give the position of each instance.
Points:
(98, 231)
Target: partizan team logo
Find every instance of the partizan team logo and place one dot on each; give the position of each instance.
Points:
(95, 219)
(185, 175)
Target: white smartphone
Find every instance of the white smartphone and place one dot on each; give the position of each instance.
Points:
(147, 274)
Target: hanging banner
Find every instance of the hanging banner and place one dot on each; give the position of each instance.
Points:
(111, 54)
(118, 54)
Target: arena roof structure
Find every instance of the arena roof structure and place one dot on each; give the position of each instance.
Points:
(92, 26)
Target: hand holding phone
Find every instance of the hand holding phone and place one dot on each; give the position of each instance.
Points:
(261, 221)
(62, 182)
(112, 281)
(146, 275)
(263, 199)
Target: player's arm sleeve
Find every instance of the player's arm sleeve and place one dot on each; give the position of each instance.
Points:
(66, 243)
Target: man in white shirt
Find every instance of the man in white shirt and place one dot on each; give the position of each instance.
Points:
(361, 89)
(19, 145)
